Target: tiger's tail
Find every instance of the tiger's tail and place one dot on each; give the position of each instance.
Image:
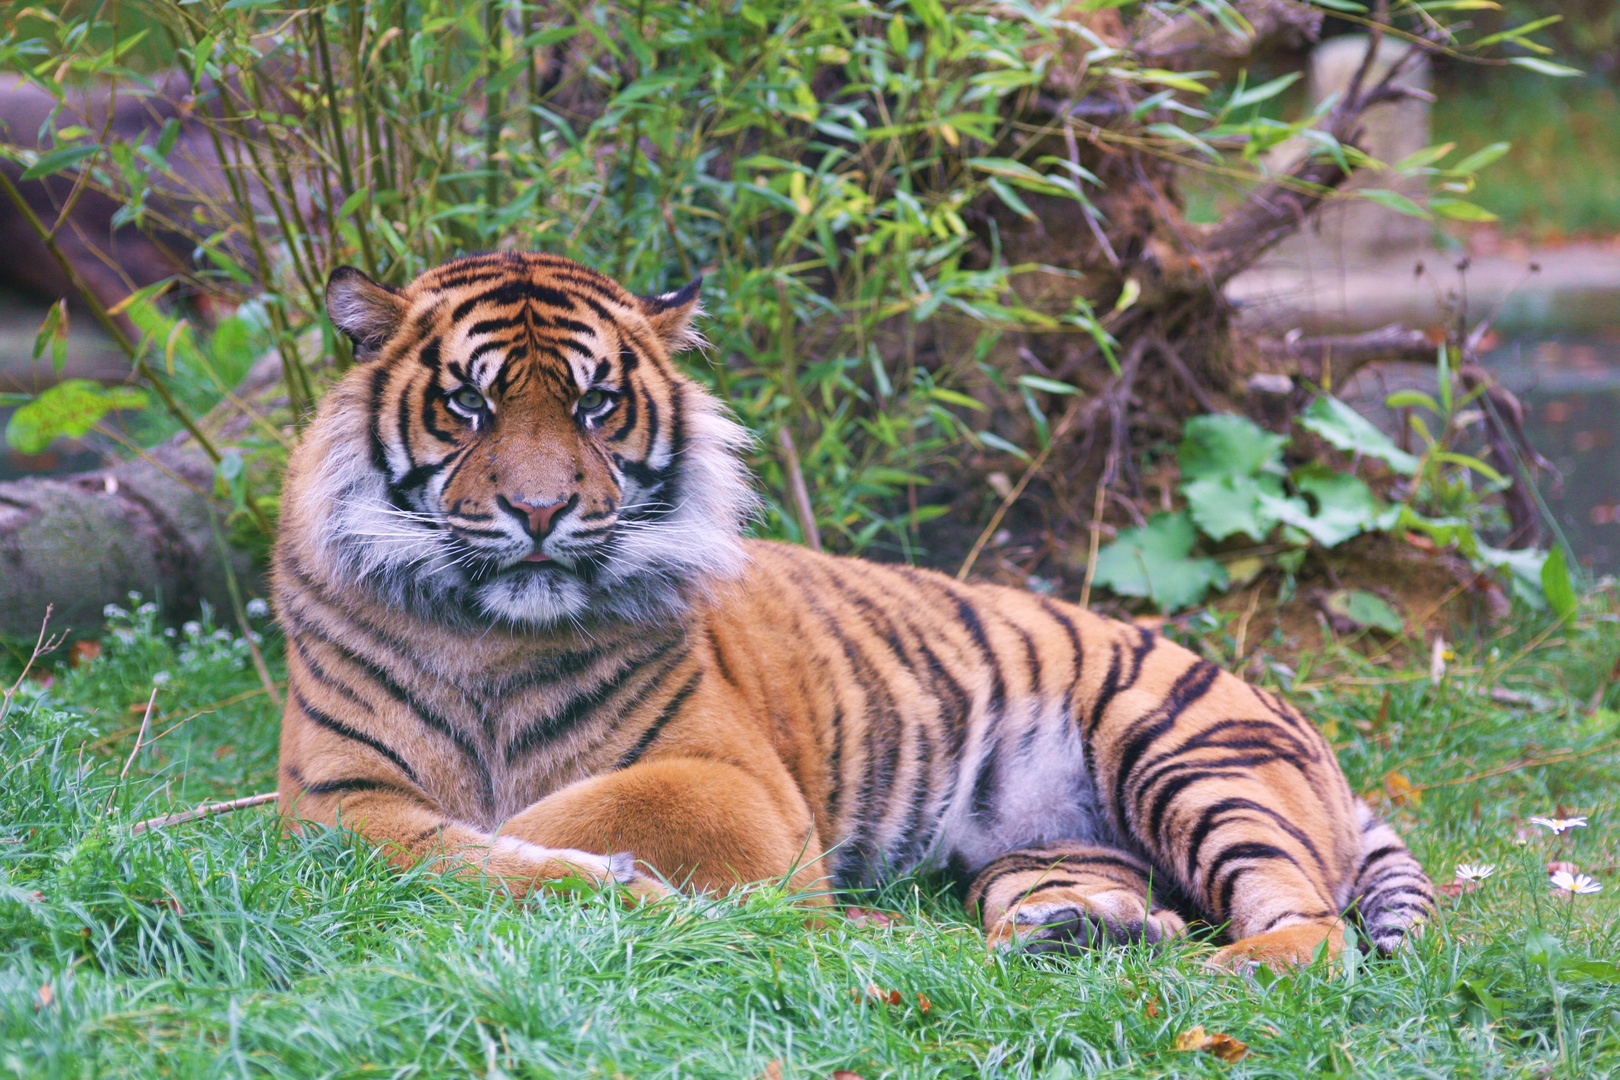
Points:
(1392, 896)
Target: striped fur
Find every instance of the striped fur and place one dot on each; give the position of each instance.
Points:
(526, 639)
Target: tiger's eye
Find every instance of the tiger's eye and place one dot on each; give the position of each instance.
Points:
(468, 398)
(591, 400)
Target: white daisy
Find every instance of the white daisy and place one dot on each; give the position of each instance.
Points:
(1471, 872)
(1575, 883)
(1560, 825)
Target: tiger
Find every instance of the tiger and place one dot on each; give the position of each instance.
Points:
(528, 641)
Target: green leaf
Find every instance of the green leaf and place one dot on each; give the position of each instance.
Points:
(1545, 67)
(1481, 158)
(1393, 200)
(1556, 584)
(1223, 506)
(996, 442)
(1227, 445)
(1264, 92)
(1345, 505)
(952, 397)
(1050, 386)
(1460, 210)
(57, 160)
(1156, 562)
(1348, 430)
(70, 409)
(1601, 970)
(1406, 399)
(53, 335)
(1365, 609)
(1516, 32)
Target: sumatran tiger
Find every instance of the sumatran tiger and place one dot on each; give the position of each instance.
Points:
(527, 639)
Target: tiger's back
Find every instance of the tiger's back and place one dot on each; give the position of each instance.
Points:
(524, 634)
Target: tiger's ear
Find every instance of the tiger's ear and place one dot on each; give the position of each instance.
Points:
(670, 315)
(366, 311)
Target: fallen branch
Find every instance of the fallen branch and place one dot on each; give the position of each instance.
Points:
(1333, 360)
(203, 811)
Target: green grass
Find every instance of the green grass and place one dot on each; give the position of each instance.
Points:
(223, 949)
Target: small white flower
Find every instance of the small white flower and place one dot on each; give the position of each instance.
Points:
(191, 627)
(1562, 825)
(147, 608)
(1575, 883)
(1471, 872)
(257, 608)
(160, 677)
(113, 611)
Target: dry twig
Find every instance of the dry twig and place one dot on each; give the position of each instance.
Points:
(205, 810)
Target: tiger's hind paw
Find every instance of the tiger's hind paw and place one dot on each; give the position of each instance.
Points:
(1291, 947)
(1069, 922)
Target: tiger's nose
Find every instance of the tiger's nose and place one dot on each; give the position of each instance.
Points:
(538, 515)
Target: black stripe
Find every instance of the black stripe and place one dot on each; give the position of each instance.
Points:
(583, 705)
(338, 727)
(356, 783)
(668, 713)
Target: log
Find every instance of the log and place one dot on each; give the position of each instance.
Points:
(85, 541)
(149, 525)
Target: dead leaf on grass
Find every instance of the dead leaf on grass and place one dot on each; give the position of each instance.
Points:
(1400, 790)
(845, 1074)
(923, 1003)
(82, 652)
(44, 998)
(773, 1070)
(1220, 1045)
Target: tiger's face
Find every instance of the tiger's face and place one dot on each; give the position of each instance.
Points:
(516, 446)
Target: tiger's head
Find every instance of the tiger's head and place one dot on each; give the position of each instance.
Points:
(515, 446)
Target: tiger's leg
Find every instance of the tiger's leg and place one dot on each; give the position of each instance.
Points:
(699, 823)
(1069, 896)
(411, 830)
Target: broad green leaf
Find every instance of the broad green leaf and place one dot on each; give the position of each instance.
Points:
(70, 409)
(1344, 506)
(1348, 430)
(1223, 506)
(1600, 970)
(1156, 562)
(1365, 609)
(1556, 585)
(1224, 444)
(1522, 568)
(57, 160)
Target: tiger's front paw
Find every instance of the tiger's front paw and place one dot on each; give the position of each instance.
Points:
(1069, 921)
(1290, 947)
(636, 879)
